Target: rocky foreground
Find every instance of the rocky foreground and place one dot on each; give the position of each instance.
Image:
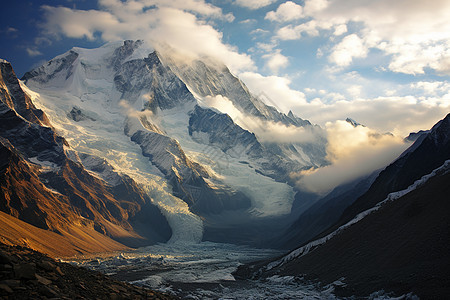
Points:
(27, 274)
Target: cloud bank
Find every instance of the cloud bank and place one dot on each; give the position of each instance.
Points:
(266, 131)
(353, 152)
(180, 24)
(422, 104)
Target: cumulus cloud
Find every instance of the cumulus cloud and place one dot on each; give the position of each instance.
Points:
(350, 47)
(310, 28)
(176, 23)
(276, 61)
(340, 29)
(434, 88)
(353, 152)
(415, 34)
(253, 4)
(355, 91)
(287, 11)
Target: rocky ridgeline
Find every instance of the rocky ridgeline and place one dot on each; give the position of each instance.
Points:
(27, 274)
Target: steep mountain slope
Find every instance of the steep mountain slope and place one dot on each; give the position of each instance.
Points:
(399, 244)
(42, 186)
(206, 77)
(324, 213)
(147, 114)
(13, 96)
(73, 240)
(428, 152)
(402, 248)
(208, 80)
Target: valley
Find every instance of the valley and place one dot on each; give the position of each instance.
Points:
(162, 170)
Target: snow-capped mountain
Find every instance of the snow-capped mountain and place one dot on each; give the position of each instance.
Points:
(44, 184)
(182, 128)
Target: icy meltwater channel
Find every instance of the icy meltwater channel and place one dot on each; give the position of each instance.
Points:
(202, 271)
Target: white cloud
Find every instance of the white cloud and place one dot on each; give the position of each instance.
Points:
(248, 21)
(287, 33)
(259, 31)
(415, 34)
(313, 6)
(253, 4)
(79, 23)
(276, 61)
(344, 52)
(276, 90)
(310, 28)
(397, 114)
(152, 20)
(266, 47)
(33, 52)
(287, 11)
(353, 152)
(123, 9)
(10, 30)
(433, 88)
(355, 91)
(340, 29)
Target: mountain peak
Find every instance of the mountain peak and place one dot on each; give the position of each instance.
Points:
(353, 122)
(413, 136)
(440, 132)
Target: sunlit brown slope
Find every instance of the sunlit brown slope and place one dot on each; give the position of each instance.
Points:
(70, 241)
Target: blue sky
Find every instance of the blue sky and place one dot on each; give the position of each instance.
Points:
(385, 64)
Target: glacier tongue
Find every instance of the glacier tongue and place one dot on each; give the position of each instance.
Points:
(269, 197)
(186, 226)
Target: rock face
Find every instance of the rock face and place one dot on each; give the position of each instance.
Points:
(206, 77)
(163, 89)
(59, 64)
(42, 186)
(13, 96)
(210, 127)
(27, 274)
